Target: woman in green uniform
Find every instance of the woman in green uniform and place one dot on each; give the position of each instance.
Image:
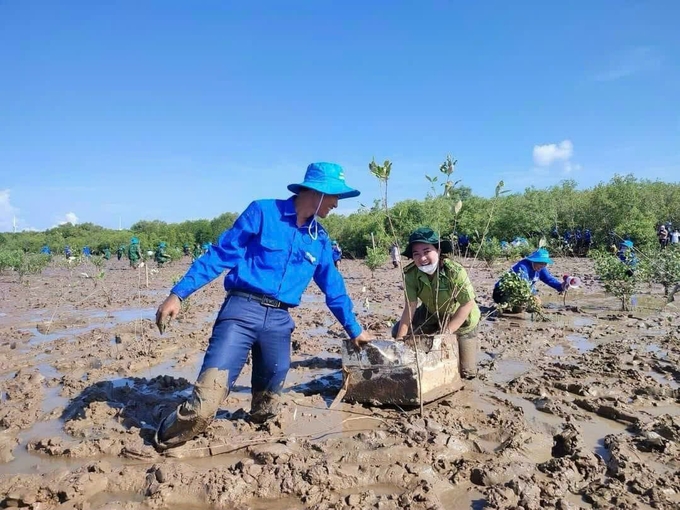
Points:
(446, 295)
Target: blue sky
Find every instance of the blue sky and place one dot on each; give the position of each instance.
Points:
(174, 110)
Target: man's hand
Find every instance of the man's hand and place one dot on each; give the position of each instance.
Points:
(363, 339)
(168, 310)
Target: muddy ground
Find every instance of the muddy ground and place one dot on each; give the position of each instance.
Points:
(582, 411)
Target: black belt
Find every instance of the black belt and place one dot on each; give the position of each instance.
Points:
(260, 298)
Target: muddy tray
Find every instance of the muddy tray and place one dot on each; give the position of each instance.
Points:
(385, 371)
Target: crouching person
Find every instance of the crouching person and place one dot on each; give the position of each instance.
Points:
(446, 294)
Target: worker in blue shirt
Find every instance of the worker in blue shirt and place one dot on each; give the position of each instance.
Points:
(532, 268)
(337, 253)
(627, 256)
(272, 251)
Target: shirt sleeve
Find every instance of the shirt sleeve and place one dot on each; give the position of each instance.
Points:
(223, 255)
(411, 283)
(463, 290)
(545, 276)
(330, 281)
(521, 270)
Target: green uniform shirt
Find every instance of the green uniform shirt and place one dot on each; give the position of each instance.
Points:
(444, 294)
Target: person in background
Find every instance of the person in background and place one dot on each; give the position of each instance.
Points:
(272, 252)
(394, 254)
(107, 253)
(67, 251)
(587, 241)
(532, 268)
(675, 237)
(134, 253)
(446, 295)
(463, 244)
(197, 251)
(87, 252)
(337, 253)
(662, 235)
(160, 255)
(627, 256)
(120, 251)
(185, 250)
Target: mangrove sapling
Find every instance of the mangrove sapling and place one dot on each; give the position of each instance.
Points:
(494, 203)
(618, 278)
(10, 259)
(375, 258)
(382, 173)
(518, 295)
(31, 263)
(663, 267)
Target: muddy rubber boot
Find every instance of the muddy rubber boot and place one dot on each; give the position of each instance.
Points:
(264, 407)
(194, 415)
(174, 430)
(467, 352)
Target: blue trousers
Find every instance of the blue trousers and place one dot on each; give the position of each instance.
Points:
(243, 325)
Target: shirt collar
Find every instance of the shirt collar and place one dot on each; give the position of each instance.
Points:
(289, 210)
(289, 207)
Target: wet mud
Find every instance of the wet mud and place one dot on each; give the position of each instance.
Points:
(582, 411)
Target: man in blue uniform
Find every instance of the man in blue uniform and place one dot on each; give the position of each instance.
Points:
(272, 251)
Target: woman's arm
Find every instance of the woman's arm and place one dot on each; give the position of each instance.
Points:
(406, 318)
(459, 317)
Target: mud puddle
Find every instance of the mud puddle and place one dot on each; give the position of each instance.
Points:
(94, 320)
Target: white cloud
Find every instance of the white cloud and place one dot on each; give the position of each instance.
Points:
(627, 63)
(546, 155)
(8, 212)
(69, 217)
(571, 167)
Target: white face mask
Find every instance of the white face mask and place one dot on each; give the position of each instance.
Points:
(430, 268)
(315, 235)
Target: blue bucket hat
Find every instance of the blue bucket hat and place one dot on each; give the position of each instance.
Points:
(541, 256)
(134, 240)
(326, 178)
(627, 244)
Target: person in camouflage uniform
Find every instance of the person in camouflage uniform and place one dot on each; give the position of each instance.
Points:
(197, 251)
(446, 295)
(134, 253)
(160, 255)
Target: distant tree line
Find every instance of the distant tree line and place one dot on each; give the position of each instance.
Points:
(624, 207)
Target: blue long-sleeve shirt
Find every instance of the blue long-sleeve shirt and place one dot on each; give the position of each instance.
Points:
(628, 257)
(266, 252)
(525, 269)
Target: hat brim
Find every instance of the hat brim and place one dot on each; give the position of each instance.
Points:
(340, 191)
(444, 245)
(540, 260)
